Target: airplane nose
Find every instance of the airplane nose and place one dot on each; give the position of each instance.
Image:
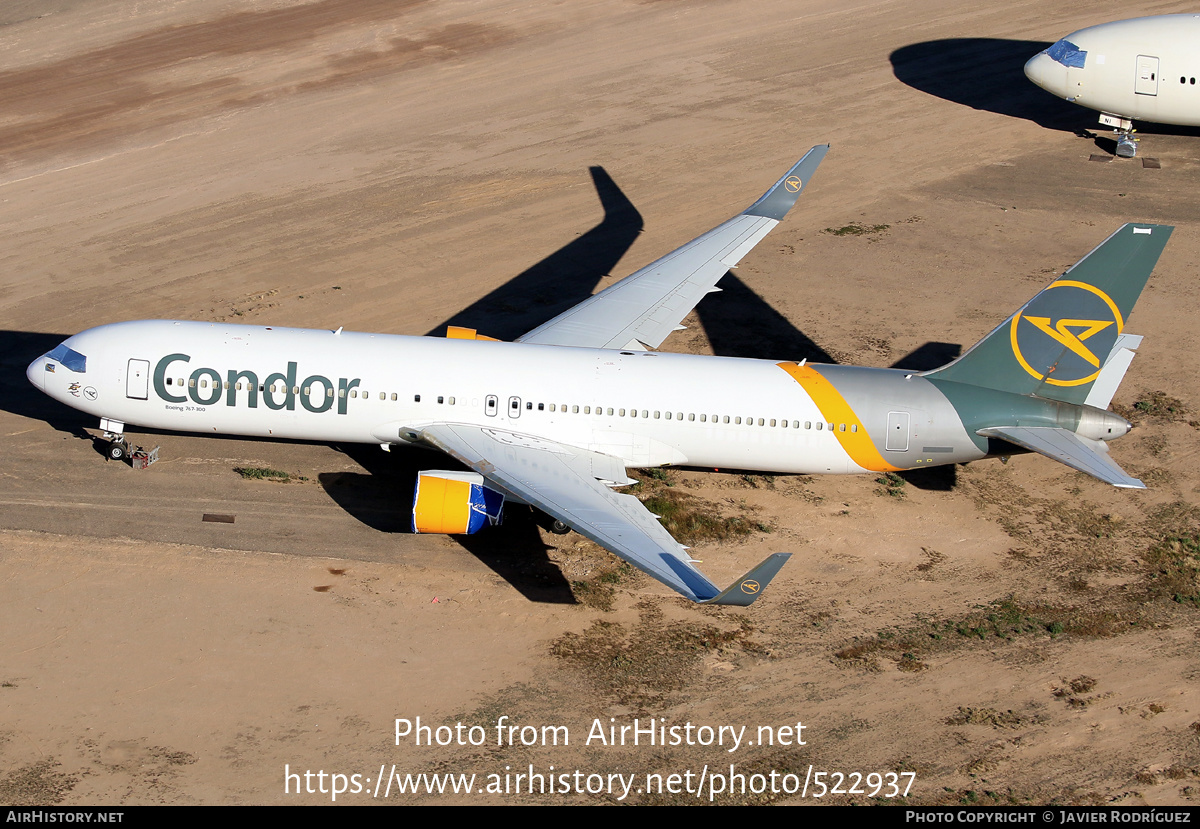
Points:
(36, 373)
(1047, 73)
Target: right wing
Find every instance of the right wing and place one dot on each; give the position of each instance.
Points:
(572, 485)
(643, 308)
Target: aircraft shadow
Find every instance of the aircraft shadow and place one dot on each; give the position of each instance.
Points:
(987, 74)
(929, 356)
(740, 323)
(561, 280)
(382, 499)
(17, 350)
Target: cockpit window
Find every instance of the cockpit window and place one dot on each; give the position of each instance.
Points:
(1068, 54)
(70, 358)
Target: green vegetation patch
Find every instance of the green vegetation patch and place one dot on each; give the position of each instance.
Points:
(856, 229)
(643, 665)
(262, 473)
(1006, 619)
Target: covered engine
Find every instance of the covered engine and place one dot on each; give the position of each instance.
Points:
(454, 503)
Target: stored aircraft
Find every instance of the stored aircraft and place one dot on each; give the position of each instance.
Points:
(555, 419)
(1143, 69)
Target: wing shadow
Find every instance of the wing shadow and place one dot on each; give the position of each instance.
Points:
(382, 499)
(740, 323)
(561, 280)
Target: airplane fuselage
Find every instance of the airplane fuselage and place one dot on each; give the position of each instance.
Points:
(646, 408)
(1145, 69)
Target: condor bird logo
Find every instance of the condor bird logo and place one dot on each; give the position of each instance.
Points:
(1065, 333)
(793, 184)
(750, 587)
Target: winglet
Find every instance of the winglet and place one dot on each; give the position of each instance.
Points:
(776, 202)
(749, 587)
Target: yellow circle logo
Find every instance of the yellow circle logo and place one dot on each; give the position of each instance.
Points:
(750, 586)
(1064, 335)
(793, 184)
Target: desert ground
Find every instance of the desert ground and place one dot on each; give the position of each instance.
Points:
(998, 633)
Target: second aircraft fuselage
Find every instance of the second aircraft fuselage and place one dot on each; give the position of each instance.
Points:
(1145, 69)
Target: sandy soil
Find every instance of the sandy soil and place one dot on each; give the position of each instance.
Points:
(1004, 632)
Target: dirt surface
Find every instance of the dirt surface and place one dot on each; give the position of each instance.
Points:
(1003, 632)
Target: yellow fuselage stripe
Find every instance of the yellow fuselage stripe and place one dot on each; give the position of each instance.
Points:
(834, 408)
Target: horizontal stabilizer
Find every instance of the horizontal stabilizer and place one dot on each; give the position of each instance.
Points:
(749, 587)
(1084, 454)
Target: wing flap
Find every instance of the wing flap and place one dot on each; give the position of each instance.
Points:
(642, 309)
(560, 480)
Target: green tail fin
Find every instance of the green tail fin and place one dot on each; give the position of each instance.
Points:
(1057, 343)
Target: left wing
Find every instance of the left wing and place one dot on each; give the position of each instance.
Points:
(572, 485)
(643, 308)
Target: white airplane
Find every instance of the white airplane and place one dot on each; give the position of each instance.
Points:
(556, 418)
(1143, 69)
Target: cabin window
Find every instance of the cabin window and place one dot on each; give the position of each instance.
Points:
(725, 419)
(761, 422)
(451, 401)
(574, 410)
(587, 409)
(416, 398)
(352, 394)
(192, 383)
(382, 395)
(645, 413)
(441, 399)
(633, 412)
(820, 426)
(394, 396)
(341, 392)
(692, 416)
(328, 391)
(679, 415)
(772, 421)
(841, 427)
(737, 421)
(529, 407)
(656, 417)
(853, 427)
(541, 407)
(169, 381)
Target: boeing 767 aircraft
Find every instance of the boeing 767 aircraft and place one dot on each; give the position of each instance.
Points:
(1143, 69)
(556, 418)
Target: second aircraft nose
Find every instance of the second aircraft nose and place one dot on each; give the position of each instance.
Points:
(1047, 73)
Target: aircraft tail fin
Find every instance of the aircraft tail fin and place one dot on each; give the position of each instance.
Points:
(1066, 343)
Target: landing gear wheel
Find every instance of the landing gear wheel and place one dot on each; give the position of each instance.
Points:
(118, 451)
(560, 527)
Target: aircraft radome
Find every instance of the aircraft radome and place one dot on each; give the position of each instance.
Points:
(559, 415)
(1145, 69)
